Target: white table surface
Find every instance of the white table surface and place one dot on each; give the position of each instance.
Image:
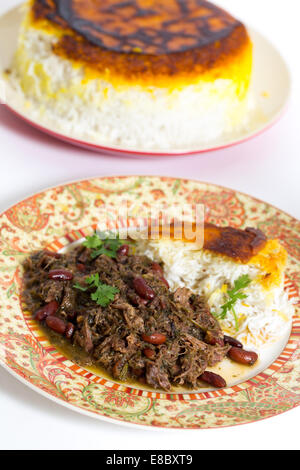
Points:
(267, 167)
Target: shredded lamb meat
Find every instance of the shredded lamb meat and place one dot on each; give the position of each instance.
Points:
(169, 339)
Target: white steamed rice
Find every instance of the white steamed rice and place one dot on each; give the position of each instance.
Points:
(131, 116)
(264, 315)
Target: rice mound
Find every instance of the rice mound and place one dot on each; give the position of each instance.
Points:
(263, 316)
(127, 115)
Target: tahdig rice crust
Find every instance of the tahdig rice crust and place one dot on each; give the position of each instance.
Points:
(145, 98)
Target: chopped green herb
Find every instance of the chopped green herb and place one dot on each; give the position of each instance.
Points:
(78, 286)
(233, 295)
(240, 283)
(236, 320)
(103, 295)
(103, 245)
(104, 250)
(93, 241)
(93, 280)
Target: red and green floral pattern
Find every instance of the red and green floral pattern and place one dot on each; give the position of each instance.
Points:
(58, 216)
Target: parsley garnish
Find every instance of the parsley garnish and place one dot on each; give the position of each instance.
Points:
(93, 241)
(103, 245)
(78, 286)
(234, 295)
(103, 295)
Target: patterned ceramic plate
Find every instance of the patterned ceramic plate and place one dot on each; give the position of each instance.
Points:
(59, 216)
(270, 89)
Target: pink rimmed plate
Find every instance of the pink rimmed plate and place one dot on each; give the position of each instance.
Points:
(62, 215)
(270, 90)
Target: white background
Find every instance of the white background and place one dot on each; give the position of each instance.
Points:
(267, 167)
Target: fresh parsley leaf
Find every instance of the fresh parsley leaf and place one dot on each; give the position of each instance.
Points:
(102, 244)
(240, 283)
(103, 295)
(93, 280)
(78, 286)
(93, 241)
(104, 251)
(236, 320)
(234, 295)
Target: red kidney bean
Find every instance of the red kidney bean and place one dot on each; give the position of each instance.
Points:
(155, 338)
(213, 379)
(137, 300)
(123, 250)
(213, 339)
(72, 315)
(149, 353)
(142, 289)
(69, 330)
(164, 280)
(242, 357)
(60, 275)
(138, 372)
(49, 309)
(53, 254)
(232, 341)
(81, 267)
(56, 324)
(157, 269)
